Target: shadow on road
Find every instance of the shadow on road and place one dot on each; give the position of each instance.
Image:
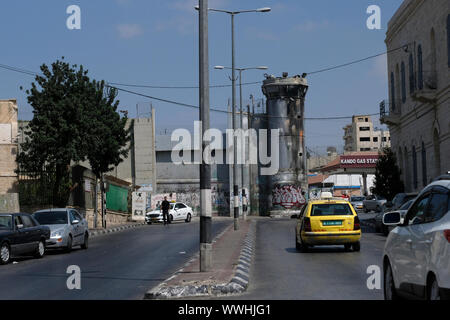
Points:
(324, 249)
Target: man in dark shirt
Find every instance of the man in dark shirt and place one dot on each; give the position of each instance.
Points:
(165, 206)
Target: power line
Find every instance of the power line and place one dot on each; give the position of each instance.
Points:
(404, 47)
(214, 109)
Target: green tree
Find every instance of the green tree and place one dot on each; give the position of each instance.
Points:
(74, 119)
(387, 176)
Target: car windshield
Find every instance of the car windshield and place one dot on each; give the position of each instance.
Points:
(6, 222)
(356, 199)
(406, 205)
(331, 209)
(48, 217)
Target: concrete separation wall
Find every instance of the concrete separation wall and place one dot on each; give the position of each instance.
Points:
(238, 284)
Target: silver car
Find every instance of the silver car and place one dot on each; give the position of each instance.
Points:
(67, 228)
(374, 203)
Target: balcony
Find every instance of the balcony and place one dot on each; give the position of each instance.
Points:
(427, 94)
(388, 116)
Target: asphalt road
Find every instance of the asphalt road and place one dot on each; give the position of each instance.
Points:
(280, 272)
(122, 265)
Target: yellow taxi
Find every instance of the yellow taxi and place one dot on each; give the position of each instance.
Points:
(328, 221)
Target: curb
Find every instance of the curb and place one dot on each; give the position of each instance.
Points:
(97, 233)
(238, 284)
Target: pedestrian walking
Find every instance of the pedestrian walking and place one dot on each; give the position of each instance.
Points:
(165, 206)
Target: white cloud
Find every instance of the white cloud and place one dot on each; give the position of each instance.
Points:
(128, 31)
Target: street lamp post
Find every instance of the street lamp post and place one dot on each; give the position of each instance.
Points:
(233, 105)
(242, 124)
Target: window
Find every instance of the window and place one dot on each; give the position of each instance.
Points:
(416, 214)
(364, 128)
(375, 139)
(18, 221)
(5, 222)
(403, 82)
(420, 66)
(51, 217)
(27, 222)
(72, 216)
(438, 207)
(412, 82)
(367, 119)
(392, 91)
(364, 139)
(385, 139)
(414, 159)
(331, 210)
(424, 165)
(364, 149)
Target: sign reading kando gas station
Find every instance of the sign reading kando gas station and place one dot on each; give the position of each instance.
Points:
(359, 161)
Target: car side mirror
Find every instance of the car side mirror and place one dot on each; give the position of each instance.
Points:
(392, 218)
(75, 221)
(19, 226)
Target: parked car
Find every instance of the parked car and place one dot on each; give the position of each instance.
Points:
(329, 221)
(373, 203)
(178, 211)
(398, 201)
(417, 252)
(21, 234)
(357, 202)
(380, 227)
(68, 228)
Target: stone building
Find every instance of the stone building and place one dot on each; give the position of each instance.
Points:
(418, 111)
(8, 150)
(361, 136)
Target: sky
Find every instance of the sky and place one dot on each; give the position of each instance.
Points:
(155, 42)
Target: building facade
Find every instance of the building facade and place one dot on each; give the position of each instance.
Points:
(8, 150)
(360, 136)
(418, 111)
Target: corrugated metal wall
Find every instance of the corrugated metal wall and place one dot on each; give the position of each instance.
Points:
(117, 198)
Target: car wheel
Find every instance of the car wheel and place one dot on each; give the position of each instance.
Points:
(300, 246)
(5, 254)
(347, 247)
(356, 246)
(149, 222)
(85, 244)
(389, 286)
(69, 245)
(433, 291)
(40, 251)
(170, 218)
(188, 218)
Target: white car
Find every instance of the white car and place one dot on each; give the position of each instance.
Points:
(416, 259)
(178, 211)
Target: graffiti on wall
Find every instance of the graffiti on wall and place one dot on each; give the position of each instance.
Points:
(288, 197)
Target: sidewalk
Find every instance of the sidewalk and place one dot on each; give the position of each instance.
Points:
(96, 232)
(232, 255)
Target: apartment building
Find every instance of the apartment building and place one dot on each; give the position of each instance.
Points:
(360, 135)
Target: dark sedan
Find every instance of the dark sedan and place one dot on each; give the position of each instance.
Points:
(21, 234)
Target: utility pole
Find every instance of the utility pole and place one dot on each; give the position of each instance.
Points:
(242, 143)
(233, 112)
(205, 169)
